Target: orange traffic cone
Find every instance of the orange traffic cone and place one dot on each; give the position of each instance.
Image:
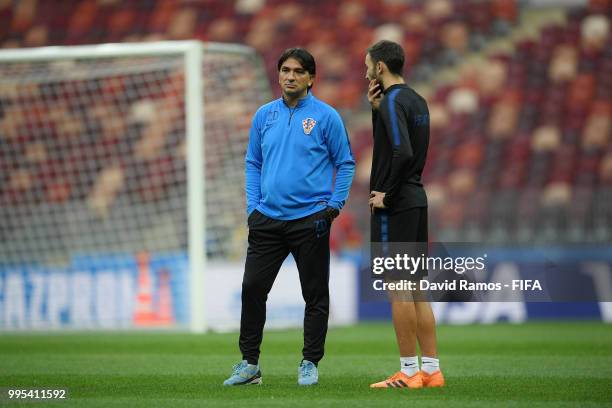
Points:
(143, 314)
(165, 315)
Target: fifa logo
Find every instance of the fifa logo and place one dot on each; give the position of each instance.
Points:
(308, 124)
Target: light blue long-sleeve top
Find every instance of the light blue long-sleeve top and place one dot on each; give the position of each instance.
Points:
(291, 159)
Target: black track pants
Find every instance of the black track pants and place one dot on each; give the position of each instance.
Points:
(270, 242)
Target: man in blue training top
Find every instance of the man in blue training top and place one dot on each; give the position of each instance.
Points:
(295, 145)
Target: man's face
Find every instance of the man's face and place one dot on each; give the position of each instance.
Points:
(294, 79)
(370, 68)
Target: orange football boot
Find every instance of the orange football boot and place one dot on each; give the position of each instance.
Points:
(400, 380)
(435, 379)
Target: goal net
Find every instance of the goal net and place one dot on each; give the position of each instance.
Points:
(121, 176)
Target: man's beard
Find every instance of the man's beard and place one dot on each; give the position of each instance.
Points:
(379, 80)
(293, 93)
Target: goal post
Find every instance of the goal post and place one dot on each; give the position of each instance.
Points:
(128, 155)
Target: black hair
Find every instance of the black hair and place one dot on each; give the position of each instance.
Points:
(389, 52)
(302, 56)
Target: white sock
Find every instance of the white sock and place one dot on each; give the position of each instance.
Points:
(430, 365)
(409, 365)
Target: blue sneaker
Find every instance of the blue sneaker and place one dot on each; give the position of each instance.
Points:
(243, 374)
(308, 373)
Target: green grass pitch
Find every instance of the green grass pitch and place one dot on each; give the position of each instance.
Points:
(564, 364)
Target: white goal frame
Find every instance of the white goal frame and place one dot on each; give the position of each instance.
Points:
(193, 53)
